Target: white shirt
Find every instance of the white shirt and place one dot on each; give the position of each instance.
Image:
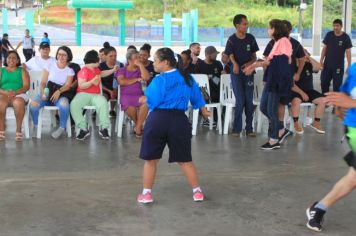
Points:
(38, 63)
(57, 75)
(27, 42)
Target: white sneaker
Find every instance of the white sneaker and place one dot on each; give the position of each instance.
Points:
(57, 133)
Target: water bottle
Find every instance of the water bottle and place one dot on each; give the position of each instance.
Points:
(45, 93)
(143, 85)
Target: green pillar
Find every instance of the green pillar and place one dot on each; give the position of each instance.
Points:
(222, 36)
(122, 35)
(29, 21)
(194, 20)
(186, 28)
(5, 25)
(78, 27)
(167, 30)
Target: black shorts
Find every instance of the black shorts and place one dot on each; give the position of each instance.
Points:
(169, 127)
(312, 94)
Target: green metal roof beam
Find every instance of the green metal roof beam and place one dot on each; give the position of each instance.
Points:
(100, 4)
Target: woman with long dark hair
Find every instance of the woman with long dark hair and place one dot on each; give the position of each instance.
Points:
(167, 98)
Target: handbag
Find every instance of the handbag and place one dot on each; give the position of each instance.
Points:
(53, 87)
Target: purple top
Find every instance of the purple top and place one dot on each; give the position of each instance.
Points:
(133, 89)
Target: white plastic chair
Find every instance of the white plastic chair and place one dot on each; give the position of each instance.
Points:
(89, 114)
(203, 81)
(120, 116)
(36, 77)
(258, 81)
(227, 99)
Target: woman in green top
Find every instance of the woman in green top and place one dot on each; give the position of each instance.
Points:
(14, 83)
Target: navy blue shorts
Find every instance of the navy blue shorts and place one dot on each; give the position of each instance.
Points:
(167, 127)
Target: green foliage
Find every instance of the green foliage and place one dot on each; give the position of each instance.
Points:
(216, 13)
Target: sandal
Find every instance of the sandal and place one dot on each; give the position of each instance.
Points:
(138, 135)
(19, 136)
(2, 135)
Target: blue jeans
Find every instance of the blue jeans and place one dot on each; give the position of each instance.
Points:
(269, 107)
(242, 86)
(263, 109)
(62, 103)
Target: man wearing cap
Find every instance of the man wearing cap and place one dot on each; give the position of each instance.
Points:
(241, 48)
(213, 68)
(42, 61)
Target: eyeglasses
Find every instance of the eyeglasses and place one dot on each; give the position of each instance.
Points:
(62, 55)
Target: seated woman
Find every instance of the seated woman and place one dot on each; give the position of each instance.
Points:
(57, 78)
(144, 55)
(186, 58)
(129, 78)
(303, 91)
(89, 94)
(14, 83)
(109, 91)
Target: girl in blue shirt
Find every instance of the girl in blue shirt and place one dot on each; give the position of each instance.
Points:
(167, 98)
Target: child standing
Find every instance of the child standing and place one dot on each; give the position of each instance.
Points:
(167, 98)
(279, 79)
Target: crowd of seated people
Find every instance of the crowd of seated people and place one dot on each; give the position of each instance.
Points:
(71, 88)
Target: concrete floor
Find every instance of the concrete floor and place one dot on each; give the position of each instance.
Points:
(68, 188)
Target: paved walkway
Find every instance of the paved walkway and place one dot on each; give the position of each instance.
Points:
(66, 187)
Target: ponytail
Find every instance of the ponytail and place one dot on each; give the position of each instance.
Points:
(175, 61)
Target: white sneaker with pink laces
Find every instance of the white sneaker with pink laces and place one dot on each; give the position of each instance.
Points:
(198, 196)
(144, 198)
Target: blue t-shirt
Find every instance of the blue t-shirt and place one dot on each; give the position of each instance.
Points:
(170, 91)
(46, 40)
(335, 50)
(242, 49)
(349, 87)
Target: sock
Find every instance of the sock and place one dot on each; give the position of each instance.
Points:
(295, 119)
(273, 141)
(146, 190)
(197, 189)
(321, 206)
(317, 119)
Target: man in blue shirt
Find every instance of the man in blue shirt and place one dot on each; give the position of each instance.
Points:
(336, 43)
(241, 48)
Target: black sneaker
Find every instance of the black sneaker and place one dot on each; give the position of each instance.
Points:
(206, 123)
(83, 134)
(104, 133)
(315, 218)
(268, 146)
(286, 133)
(112, 113)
